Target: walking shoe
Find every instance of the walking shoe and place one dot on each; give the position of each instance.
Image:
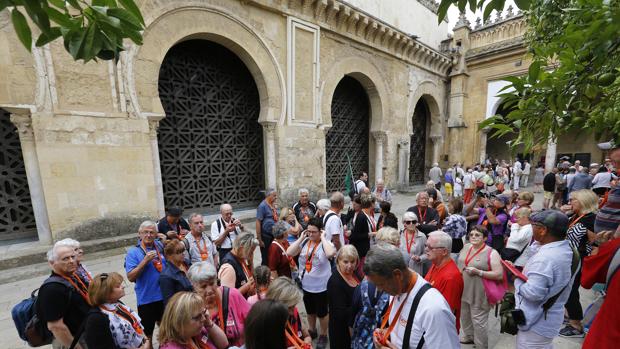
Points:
(313, 333)
(466, 341)
(571, 332)
(321, 343)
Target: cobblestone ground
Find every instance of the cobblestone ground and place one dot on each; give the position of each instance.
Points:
(13, 292)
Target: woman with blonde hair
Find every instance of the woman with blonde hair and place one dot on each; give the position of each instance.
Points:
(173, 278)
(285, 291)
(340, 288)
(236, 267)
(388, 235)
(112, 324)
(582, 208)
(226, 306)
(287, 215)
(186, 324)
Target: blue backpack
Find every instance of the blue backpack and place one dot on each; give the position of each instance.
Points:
(27, 322)
(367, 320)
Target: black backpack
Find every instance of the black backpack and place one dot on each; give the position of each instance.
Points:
(27, 321)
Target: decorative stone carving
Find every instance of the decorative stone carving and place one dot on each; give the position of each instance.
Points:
(498, 17)
(23, 124)
(462, 22)
(478, 23)
(509, 13)
(430, 4)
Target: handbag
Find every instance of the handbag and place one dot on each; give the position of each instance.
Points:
(506, 308)
(495, 289)
(511, 254)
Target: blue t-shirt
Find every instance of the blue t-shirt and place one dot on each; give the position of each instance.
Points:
(147, 284)
(264, 214)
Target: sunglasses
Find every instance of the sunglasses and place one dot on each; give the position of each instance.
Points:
(410, 222)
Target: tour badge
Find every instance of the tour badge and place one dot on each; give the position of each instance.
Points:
(204, 256)
(157, 265)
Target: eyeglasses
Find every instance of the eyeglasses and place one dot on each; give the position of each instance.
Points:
(476, 235)
(410, 222)
(431, 247)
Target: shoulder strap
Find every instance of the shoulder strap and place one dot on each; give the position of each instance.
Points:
(327, 217)
(412, 311)
(573, 269)
(219, 224)
(613, 267)
(225, 296)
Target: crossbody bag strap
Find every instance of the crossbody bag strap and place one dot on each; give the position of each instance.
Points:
(412, 311)
(225, 296)
(574, 267)
(613, 267)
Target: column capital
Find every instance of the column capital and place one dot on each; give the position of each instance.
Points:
(24, 126)
(379, 136)
(404, 142)
(435, 138)
(153, 121)
(269, 127)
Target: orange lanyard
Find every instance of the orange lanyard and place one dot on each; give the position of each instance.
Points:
(576, 220)
(410, 243)
(156, 262)
(220, 314)
(200, 344)
(118, 310)
(246, 269)
(204, 253)
(274, 213)
(83, 290)
(292, 337)
(467, 259)
(311, 255)
(386, 317)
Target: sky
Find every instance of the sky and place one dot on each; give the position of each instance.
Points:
(453, 14)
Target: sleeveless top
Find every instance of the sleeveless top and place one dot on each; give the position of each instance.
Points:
(473, 289)
(240, 278)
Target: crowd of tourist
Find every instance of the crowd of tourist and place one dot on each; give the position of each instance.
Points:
(362, 281)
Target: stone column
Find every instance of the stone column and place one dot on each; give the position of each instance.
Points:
(436, 140)
(33, 174)
(403, 161)
(483, 145)
(270, 153)
(380, 138)
(550, 154)
(159, 187)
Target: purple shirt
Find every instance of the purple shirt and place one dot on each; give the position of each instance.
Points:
(496, 229)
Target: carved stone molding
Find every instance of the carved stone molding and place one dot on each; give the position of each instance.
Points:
(23, 123)
(270, 128)
(379, 136)
(154, 125)
(403, 142)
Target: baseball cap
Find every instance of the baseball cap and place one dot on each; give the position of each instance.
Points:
(551, 219)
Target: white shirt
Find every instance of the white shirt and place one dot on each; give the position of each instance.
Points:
(333, 226)
(527, 168)
(216, 233)
(359, 186)
(520, 236)
(517, 168)
(194, 253)
(314, 281)
(468, 181)
(433, 319)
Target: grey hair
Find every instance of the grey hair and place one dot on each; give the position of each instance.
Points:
(382, 259)
(69, 242)
(323, 204)
(52, 254)
(442, 239)
(224, 206)
(389, 235)
(269, 191)
(201, 271)
(279, 229)
(336, 198)
(284, 290)
(192, 216)
(147, 224)
(379, 181)
(410, 216)
(302, 191)
(421, 193)
(246, 242)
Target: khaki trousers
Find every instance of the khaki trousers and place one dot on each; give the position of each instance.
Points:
(474, 324)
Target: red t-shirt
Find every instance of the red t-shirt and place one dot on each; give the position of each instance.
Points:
(604, 332)
(449, 282)
(277, 258)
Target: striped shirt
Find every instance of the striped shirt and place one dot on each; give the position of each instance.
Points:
(608, 217)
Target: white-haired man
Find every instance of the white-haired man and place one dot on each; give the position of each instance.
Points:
(225, 230)
(143, 265)
(304, 208)
(63, 297)
(334, 229)
(199, 245)
(435, 175)
(428, 218)
(444, 274)
(381, 194)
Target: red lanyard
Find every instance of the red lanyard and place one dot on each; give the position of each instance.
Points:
(156, 262)
(383, 340)
(204, 253)
(410, 243)
(467, 259)
(422, 218)
(125, 314)
(371, 220)
(83, 290)
(291, 261)
(274, 213)
(574, 221)
(311, 255)
(200, 344)
(246, 270)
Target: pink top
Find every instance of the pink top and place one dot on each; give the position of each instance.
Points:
(253, 299)
(238, 309)
(203, 337)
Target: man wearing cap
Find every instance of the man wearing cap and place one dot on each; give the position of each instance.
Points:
(494, 214)
(173, 222)
(548, 274)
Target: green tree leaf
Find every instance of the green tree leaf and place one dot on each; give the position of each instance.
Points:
(441, 11)
(534, 72)
(21, 28)
(523, 4)
(131, 6)
(45, 38)
(59, 17)
(125, 16)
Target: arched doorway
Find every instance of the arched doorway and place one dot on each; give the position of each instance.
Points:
(349, 133)
(417, 147)
(16, 214)
(210, 142)
(498, 148)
